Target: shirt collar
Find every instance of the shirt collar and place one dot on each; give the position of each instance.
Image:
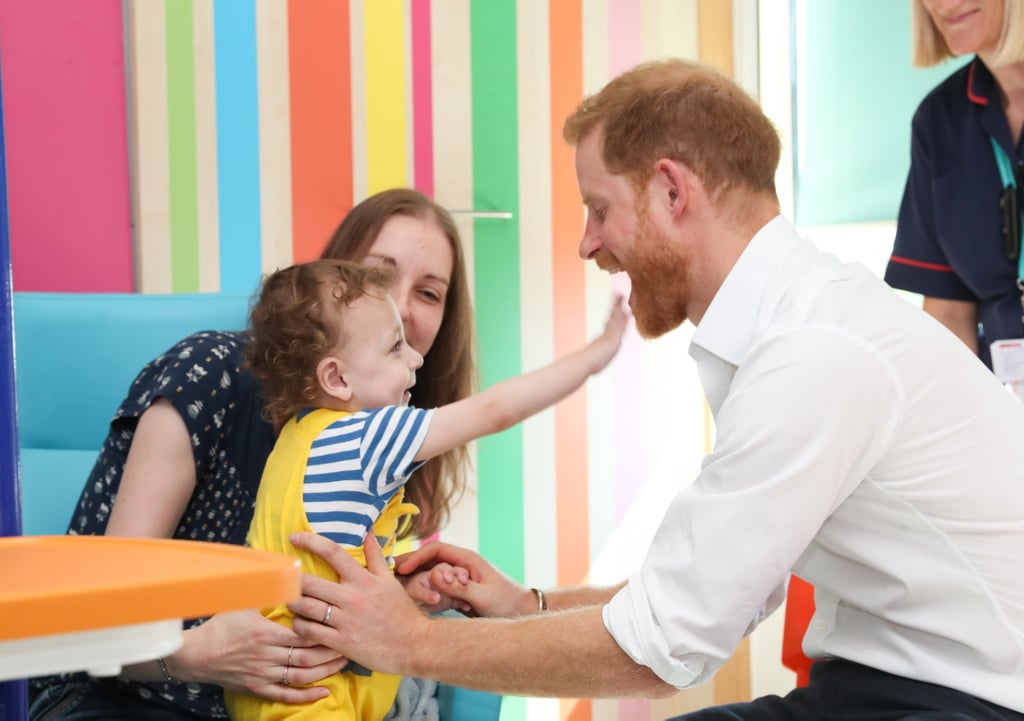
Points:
(981, 86)
(728, 326)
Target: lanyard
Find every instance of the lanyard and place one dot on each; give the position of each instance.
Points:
(1010, 198)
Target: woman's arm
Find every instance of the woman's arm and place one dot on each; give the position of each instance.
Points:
(240, 650)
(159, 476)
(959, 316)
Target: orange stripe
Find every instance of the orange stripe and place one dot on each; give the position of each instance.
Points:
(571, 497)
(321, 121)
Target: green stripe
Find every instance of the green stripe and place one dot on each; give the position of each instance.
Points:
(181, 140)
(496, 269)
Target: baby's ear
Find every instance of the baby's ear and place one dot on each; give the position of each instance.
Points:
(331, 379)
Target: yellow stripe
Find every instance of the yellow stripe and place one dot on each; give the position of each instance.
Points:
(386, 111)
(148, 103)
(206, 147)
(275, 134)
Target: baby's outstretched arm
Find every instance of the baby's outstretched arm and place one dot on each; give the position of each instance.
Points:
(515, 399)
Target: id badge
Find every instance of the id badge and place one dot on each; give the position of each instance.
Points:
(1008, 364)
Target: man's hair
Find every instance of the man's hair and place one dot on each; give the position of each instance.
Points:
(685, 112)
(930, 48)
(296, 321)
(449, 372)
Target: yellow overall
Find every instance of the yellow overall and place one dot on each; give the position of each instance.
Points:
(280, 512)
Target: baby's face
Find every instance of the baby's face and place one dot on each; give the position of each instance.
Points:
(379, 365)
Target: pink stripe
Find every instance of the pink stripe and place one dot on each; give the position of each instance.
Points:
(625, 33)
(422, 103)
(67, 148)
(625, 49)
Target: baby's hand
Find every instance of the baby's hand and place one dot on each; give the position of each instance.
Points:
(606, 345)
(429, 588)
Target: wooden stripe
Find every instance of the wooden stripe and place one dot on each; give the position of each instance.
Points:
(453, 183)
(669, 28)
(422, 99)
(321, 122)
(237, 145)
(208, 226)
(385, 95)
(275, 134)
(181, 140)
(66, 140)
(148, 40)
(539, 497)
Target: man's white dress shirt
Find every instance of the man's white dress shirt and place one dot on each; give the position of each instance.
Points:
(860, 445)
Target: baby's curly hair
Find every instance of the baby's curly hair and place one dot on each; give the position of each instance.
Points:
(296, 319)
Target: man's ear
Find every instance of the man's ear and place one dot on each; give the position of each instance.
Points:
(331, 379)
(669, 186)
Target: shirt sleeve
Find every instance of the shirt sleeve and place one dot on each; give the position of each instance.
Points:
(727, 543)
(918, 263)
(199, 376)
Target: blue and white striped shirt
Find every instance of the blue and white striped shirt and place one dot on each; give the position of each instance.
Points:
(356, 465)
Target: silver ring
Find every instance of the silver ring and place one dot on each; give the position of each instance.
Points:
(290, 649)
(327, 616)
(284, 678)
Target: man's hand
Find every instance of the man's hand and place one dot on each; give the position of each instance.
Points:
(488, 592)
(366, 616)
(435, 597)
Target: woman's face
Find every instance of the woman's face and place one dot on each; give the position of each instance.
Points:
(968, 26)
(419, 256)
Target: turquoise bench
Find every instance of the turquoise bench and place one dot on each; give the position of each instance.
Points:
(75, 356)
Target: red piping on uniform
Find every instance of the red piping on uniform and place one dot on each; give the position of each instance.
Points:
(979, 99)
(921, 264)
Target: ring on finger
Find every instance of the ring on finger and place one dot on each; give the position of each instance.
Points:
(284, 677)
(290, 649)
(327, 616)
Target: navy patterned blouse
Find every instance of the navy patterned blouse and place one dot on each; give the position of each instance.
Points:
(203, 378)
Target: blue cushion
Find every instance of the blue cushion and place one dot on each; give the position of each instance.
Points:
(76, 354)
(463, 703)
(51, 481)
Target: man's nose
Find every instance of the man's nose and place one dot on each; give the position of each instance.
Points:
(589, 245)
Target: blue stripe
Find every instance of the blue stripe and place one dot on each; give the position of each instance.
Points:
(353, 517)
(238, 152)
(340, 497)
(343, 539)
(349, 455)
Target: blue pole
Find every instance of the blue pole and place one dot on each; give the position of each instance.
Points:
(13, 694)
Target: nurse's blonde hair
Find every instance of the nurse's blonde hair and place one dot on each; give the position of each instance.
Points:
(930, 48)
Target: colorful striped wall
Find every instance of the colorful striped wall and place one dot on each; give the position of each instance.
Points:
(189, 145)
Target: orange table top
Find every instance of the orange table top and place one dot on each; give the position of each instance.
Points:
(64, 584)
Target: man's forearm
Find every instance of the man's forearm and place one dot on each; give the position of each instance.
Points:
(562, 599)
(564, 654)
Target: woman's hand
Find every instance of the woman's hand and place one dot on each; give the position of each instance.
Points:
(245, 652)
